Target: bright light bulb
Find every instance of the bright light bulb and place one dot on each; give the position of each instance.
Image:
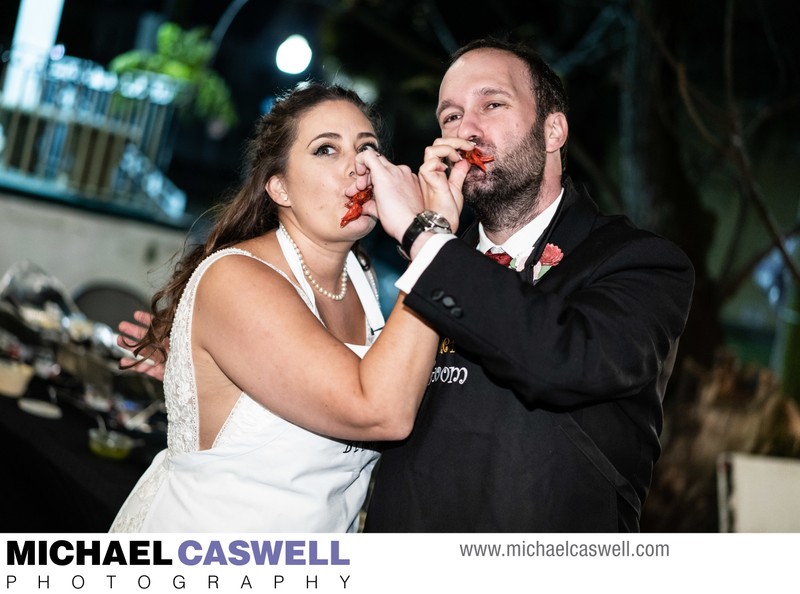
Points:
(293, 55)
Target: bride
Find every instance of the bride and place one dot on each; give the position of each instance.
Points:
(281, 372)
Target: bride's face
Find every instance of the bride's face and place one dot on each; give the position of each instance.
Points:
(320, 165)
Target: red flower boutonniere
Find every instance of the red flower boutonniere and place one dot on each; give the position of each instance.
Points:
(551, 256)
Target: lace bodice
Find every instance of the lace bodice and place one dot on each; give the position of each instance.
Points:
(180, 388)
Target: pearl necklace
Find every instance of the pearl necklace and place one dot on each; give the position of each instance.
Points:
(336, 297)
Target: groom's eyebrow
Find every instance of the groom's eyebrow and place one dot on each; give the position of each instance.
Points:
(442, 106)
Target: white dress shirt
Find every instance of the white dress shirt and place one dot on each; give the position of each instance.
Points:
(519, 246)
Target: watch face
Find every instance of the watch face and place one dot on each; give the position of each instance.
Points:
(435, 219)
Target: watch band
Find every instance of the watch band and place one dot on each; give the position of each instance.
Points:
(427, 220)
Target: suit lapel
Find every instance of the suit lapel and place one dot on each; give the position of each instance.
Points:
(574, 219)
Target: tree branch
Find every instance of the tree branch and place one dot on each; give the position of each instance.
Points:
(733, 284)
(735, 151)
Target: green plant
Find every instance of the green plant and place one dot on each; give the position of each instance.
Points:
(185, 55)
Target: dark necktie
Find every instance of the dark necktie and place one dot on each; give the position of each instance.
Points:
(500, 257)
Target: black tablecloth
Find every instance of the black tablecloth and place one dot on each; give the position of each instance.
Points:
(51, 480)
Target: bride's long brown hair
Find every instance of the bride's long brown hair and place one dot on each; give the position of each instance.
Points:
(250, 212)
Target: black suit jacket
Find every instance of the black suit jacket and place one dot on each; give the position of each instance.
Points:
(543, 411)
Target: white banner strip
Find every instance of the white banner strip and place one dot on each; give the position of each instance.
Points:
(389, 563)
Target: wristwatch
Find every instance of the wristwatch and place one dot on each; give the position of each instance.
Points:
(427, 220)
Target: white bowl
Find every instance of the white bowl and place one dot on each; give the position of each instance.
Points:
(14, 378)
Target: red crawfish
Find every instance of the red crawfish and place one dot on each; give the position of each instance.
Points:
(354, 205)
(477, 158)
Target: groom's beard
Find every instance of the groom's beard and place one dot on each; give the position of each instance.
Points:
(507, 195)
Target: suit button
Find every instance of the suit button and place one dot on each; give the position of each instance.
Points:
(448, 301)
(456, 312)
(437, 294)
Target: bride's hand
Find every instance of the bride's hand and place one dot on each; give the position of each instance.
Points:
(441, 185)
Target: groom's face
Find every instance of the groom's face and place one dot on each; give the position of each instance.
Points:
(486, 97)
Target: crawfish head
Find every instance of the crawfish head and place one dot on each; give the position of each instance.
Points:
(477, 158)
(354, 206)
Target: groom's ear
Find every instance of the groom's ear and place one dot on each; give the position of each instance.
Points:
(556, 130)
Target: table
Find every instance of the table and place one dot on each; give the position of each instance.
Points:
(51, 480)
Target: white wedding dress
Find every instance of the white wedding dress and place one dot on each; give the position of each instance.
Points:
(263, 473)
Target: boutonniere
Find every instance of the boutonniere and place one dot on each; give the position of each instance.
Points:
(551, 256)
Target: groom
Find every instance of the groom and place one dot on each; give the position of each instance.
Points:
(543, 411)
